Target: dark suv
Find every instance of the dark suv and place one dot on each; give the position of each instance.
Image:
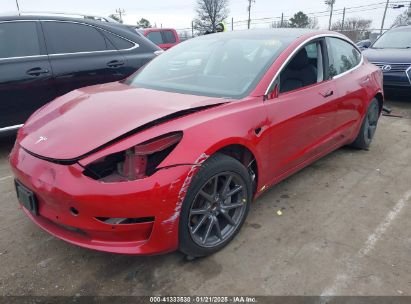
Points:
(392, 53)
(42, 57)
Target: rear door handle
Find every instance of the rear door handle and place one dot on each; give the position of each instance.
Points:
(115, 63)
(327, 93)
(37, 71)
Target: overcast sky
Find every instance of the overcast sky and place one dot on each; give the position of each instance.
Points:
(179, 13)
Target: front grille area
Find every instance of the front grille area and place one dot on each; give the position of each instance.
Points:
(395, 67)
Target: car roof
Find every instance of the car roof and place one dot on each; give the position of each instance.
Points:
(401, 27)
(158, 29)
(35, 17)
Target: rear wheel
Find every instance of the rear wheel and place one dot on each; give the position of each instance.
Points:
(368, 127)
(215, 206)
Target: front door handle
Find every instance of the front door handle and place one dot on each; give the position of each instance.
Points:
(327, 93)
(37, 71)
(115, 63)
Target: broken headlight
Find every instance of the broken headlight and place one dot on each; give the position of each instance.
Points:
(134, 163)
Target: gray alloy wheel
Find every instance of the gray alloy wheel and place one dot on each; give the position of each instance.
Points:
(215, 207)
(368, 126)
(218, 209)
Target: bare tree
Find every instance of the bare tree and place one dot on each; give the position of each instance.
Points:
(313, 23)
(277, 24)
(403, 19)
(209, 14)
(354, 28)
(359, 24)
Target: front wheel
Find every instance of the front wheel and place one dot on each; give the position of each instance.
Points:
(368, 126)
(215, 206)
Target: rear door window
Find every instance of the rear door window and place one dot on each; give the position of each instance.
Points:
(342, 56)
(120, 43)
(169, 37)
(19, 39)
(67, 37)
(155, 37)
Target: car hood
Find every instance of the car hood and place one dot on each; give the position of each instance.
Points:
(388, 55)
(88, 118)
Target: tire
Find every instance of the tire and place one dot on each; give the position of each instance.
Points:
(368, 126)
(204, 207)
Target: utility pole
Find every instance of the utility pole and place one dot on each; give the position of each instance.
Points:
(343, 20)
(18, 7)
(192, 29)
(249, 12)
(383, 17)
(330, 3)
(121, 12)
(232, 23)
(282, 20)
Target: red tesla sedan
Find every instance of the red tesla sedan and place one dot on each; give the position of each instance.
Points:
(172, 157)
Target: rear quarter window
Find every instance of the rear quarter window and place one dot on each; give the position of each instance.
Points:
(119, 43)
(169, 37)
(342, 56)
(155, 37)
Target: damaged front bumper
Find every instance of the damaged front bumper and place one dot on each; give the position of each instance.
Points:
(134, 217)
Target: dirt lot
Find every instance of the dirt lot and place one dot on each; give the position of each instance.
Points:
(345, 230)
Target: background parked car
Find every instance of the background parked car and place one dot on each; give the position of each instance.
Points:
(165, 38)
(392, 53)
(363, 44)
(45, 57)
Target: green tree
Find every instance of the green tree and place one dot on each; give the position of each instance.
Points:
(300, 20)
(143, 23)
(116, 17)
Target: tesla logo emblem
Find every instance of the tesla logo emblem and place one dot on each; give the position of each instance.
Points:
(41, 138)
(386, 68)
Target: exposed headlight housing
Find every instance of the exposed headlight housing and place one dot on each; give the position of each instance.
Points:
(134, 163)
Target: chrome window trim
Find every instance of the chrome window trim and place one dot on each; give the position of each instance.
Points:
(407, 73)
(23, 57)
(307, 41)
(10, 128)
(136, 45)
(376, 62)
(350, 70)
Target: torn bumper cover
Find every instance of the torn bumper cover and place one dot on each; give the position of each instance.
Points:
(134, 217)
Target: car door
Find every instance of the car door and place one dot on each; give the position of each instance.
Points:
(25, 73)
(351, 83)
(302, 116)
(80, 55)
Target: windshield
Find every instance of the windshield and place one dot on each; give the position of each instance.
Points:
(218, 65)
(395, 39)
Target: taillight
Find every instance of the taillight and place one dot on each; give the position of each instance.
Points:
(135, 163)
